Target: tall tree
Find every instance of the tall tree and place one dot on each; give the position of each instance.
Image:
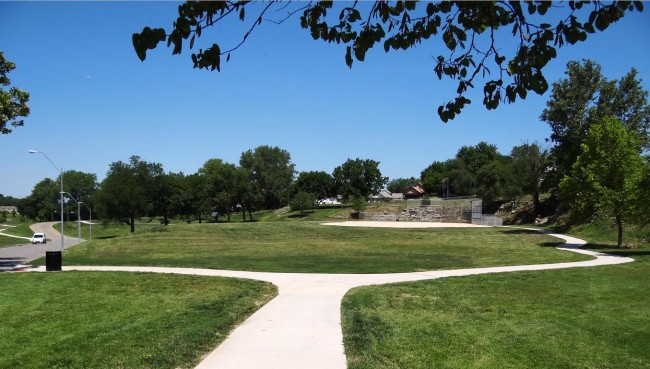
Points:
(585, 97)
(13, 102)
(190, 199)
(605, 177)
(163, 190)
(530, 164)
(627, 100)
(126, 192)
(358, 178)
(249, 195)
(318, 183)
(221, 186)
(460, 180)
(468, 30)
(497, 181)
(43, 202)
(434, 178)
(271, 168)
(478, 156)
(81, 186)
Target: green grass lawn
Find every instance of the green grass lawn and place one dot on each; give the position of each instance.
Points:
(312, 247)
(572, 318)
(119, 320)
(16, 228)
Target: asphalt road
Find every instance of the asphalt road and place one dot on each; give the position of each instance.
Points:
(12, 256)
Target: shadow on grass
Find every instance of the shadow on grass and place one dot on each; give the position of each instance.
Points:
(551, 244)
(298, 216)
(519, 231)
(105, 237)
(613, 250)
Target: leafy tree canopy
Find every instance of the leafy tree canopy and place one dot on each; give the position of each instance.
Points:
(530, 165)
(358, 178)
(303, 201)
(496, 181)
(272, 170)
(129, 190)
(433, 178)
(476, 157)
(606, 176)
(13, 102)
(584, 98)
(467, 34)
(43, 202)
(319, 183)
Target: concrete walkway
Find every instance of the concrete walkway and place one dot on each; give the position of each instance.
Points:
(301, 327)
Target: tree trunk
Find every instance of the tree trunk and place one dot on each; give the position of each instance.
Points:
(243, 213)
(250, 215)
(619, 224)
(166, 218)
(132, 224)
(536, 203)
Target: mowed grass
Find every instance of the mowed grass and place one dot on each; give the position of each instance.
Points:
(13, 226)
(312, 247)
(572, 318)
(119, 320)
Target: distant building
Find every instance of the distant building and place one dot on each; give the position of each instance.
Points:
(385, 195)
(414, 192)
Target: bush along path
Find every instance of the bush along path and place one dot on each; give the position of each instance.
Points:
(301, 327)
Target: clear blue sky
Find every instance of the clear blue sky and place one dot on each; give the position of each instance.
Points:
(93, 102)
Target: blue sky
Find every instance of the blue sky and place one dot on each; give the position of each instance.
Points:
(93, 102)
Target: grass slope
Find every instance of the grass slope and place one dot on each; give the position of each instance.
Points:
(119, 320)
(312, 247)
(14, 226)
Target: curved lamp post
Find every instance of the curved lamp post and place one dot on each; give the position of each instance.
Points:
(61, 178)
(90, 224)
(78, 216)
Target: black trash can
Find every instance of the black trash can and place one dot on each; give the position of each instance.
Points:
(53, 261)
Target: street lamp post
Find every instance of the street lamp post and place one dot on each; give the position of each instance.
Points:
(61, 179)
(90, 224)
(78, 216)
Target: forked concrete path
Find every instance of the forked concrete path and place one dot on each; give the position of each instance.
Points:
(301, 327)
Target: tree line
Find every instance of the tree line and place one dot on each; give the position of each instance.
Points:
(264, 179)
(595, 167)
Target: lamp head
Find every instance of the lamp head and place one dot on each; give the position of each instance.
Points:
(32, 151)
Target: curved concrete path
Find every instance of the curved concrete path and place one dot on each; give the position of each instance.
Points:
(301, 327)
